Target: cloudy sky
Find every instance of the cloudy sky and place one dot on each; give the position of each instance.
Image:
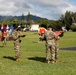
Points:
(50, 9)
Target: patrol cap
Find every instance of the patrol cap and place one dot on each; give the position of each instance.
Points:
(49, 26)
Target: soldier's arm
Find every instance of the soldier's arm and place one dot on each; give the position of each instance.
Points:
(50, 38)
(56, 37)
(20, 34)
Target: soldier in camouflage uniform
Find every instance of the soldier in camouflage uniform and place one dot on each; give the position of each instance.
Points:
(59, 33)
(17, 43)
(50, 45)
(56, 49)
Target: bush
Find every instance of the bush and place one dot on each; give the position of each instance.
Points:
(73, 27)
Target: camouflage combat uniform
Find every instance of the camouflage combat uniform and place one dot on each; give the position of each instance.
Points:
(41, 37)
(56, 49)
(17, 44)
(50, 45)
(59, 34)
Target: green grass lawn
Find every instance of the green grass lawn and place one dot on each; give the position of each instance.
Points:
(33, 57)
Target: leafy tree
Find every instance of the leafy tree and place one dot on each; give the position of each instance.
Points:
(22, 22)
(44, 23)
(29, 19)
(67, 19)
(15, 21)
(73, 27)
(23, 19)
(56, 25)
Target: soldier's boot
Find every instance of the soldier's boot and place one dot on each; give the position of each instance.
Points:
(56, 60)
(52, 61)
(47, 61)
(18, 59)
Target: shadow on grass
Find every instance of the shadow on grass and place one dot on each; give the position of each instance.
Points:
(35, 42)
(41, 59)
(1, 46)
(8, 57)
(68, 48)
(38, 41)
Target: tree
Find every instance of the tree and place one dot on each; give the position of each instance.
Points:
(73, 27)
(15, 21)
(29, 19)
(67, 19)
(56, 25)
(6, 22)
(23, 19)
(44, 23)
